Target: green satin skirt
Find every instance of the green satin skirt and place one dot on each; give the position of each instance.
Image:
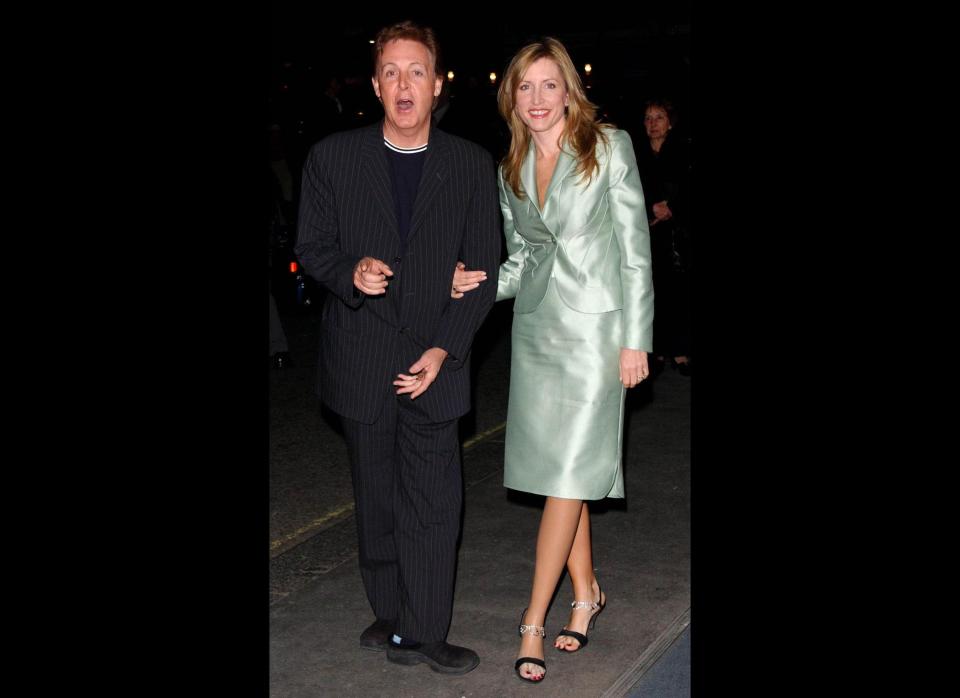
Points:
(566, 404)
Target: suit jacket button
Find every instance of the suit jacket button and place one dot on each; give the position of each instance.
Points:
(396, 260)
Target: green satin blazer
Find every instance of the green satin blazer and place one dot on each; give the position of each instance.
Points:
(593, 238)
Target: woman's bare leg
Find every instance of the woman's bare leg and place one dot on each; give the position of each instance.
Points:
(585, 587)
(558, 528)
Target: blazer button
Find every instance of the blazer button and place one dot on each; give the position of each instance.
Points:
(396, 260)
(403, 330)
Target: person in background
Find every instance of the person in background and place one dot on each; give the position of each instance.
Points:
(664, 170)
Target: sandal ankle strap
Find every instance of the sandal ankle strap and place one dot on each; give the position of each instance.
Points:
(536, 630)
(592, 605)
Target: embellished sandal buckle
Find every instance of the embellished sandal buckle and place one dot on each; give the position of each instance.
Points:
(535, 630)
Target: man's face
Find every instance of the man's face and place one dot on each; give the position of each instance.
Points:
(406, 85)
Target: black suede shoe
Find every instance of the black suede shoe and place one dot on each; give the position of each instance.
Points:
(377, 636)
(440, 656)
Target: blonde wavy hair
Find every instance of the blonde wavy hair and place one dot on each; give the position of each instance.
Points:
(581, 130)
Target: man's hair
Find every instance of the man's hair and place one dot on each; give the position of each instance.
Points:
(411, 31)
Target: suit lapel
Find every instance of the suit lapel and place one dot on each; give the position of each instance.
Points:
(375, 168)
(551, 205)
(528, 177)
(435, 171)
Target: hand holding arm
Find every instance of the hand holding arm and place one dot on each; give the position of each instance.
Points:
(464, 280)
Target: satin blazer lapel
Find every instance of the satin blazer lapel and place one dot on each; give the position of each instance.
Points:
(435, 171)
(376, 171)
(528, 177)
(551, 207)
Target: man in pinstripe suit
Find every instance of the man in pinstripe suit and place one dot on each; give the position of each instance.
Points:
(386, 211)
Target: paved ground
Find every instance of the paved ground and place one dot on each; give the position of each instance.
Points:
(641, 549)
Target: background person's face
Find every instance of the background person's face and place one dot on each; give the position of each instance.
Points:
(406, 85)
(656, 122)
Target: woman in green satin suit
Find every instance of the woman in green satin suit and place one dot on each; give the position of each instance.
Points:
(579, 268)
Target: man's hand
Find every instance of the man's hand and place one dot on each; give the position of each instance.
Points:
(370, 276)
(422, 373)
(464, 280)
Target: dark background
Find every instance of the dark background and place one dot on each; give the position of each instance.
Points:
(633, 57)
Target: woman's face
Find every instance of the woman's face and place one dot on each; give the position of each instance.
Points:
(541, 97)
(656, 122)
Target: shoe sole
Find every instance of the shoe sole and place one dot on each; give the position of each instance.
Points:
(410, 658)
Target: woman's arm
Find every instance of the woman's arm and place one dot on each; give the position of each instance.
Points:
(508, 281)
(508, 278)
(632, 232)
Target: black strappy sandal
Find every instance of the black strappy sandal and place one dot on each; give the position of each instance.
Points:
(597, 607)
(530, 630)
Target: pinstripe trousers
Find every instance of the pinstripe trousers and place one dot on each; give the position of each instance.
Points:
(408, 490)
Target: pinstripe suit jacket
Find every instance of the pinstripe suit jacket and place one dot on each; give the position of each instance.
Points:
(347, 213)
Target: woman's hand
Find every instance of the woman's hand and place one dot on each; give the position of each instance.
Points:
(464, 280)
(633, 367)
